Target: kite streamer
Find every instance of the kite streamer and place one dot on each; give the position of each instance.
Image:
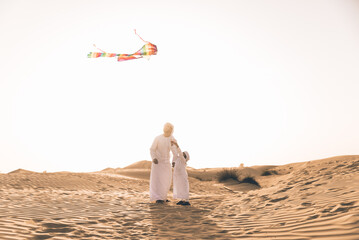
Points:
(146, 51)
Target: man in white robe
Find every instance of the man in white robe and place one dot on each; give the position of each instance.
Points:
(161, 170)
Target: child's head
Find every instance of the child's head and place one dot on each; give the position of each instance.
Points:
(186, 155)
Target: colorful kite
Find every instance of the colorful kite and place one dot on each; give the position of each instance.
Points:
(146, 51)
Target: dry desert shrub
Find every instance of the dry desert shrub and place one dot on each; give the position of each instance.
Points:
(250, 180)
(269, 172)
(232, 173)
(228, 173)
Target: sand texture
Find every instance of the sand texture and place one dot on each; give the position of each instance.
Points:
(310, 200)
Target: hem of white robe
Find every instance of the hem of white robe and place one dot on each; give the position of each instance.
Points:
(181, 197)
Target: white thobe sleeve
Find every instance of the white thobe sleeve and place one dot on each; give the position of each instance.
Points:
(178, 153)
(154, 148)
(174, 153)
(174, 150)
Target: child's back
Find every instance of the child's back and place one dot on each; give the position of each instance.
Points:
(180, 178)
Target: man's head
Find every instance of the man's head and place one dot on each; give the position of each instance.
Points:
(168, 129)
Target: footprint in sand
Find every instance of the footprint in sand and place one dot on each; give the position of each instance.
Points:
(343, 207)
(279, 199)
(348, 203)
(313, 217)
(57, 228)
(283, 190)
(184, 223)
(306, 204)
(41, 236)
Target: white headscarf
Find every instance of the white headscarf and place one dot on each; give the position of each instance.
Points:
(187, 155)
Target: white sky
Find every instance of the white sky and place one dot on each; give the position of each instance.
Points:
(254, 82)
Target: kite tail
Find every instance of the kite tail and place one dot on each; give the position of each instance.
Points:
(125, 57)
(101, 54)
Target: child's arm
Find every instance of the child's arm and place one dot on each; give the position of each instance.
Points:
(174, 151)
(175, 145)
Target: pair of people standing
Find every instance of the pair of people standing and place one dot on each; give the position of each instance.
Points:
(161, 170)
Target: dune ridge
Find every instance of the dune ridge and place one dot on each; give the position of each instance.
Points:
(144, 164)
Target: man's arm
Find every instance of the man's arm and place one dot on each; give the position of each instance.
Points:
(153, 151)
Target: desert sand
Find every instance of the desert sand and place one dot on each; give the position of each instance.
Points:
(308, 200)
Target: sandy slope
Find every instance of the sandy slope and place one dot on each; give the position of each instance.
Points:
(310, 200)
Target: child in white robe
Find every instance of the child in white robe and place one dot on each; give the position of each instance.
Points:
(180, 176)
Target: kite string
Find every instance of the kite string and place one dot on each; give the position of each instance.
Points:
(99, 49)
(140, 37)
(135, 33)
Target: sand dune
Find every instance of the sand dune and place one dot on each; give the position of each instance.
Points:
(145, 164)
(21, 171)
(309, 200)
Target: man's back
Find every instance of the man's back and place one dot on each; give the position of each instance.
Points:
(161, 147)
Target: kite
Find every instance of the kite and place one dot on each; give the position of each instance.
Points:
(146, 51)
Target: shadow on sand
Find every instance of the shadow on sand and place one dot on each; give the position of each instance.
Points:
(170, 221)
